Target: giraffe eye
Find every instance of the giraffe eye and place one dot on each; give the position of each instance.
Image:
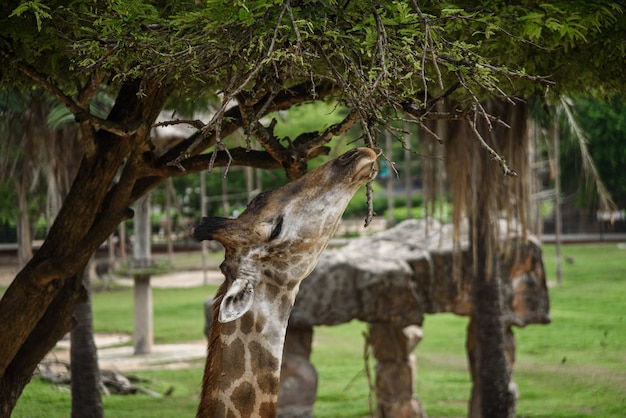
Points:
(277, 228)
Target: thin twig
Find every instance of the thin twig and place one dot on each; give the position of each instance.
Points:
(491, 151)
(198, 124)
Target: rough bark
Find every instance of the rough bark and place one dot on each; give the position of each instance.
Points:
(490, 391)
(37, 307)
(55, 322)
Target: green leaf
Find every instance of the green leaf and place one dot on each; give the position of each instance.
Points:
(39, 10)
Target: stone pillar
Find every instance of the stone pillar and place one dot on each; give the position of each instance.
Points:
(142, 336)
(298, 378)
(143, 333)
(396, 370)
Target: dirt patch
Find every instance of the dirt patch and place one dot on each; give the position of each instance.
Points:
(116, 353)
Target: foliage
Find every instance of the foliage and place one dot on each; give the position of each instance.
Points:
(376, 57)
(577, 43)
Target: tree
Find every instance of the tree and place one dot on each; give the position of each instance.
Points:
(384, 62)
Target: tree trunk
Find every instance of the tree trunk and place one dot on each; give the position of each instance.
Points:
(482, 194)
(56, 321)
(557, 197)
(86, 400)
(37, 307)
(24, 232)
(490, 395)
(491, 381)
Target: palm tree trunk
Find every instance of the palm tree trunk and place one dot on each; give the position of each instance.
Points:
(24, 232)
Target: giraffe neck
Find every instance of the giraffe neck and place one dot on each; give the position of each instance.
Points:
(242, 371)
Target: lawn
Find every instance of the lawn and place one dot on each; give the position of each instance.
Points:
(574, 367)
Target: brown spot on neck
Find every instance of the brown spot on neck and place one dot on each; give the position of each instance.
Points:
(244, 399)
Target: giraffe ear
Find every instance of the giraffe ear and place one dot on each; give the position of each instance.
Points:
(236, 301)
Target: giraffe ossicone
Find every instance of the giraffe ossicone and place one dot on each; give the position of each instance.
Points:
(269, 249)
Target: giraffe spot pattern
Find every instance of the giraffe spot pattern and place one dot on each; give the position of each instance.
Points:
(246, 323)
(286, 303)
(260, 323)
(267, 383)
(263, 359)
(273, 291)
(233, 358)
(244, 399)
(267, 409)
(227, 329)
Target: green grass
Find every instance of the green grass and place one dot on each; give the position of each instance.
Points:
(574, 367)
(178, 313)
(42, 399)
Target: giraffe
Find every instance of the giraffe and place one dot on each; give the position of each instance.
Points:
(269, 249)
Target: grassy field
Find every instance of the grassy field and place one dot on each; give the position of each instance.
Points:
(574, 367)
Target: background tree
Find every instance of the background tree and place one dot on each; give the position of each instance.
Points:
(23, 159)
(384, 62)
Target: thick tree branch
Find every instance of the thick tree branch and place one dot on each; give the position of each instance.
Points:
(236, 156)
(306, 147)
(265, 136)
(86, 93)
(233, 120)
(312, 140)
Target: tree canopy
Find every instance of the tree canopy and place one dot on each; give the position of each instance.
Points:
(267, 55)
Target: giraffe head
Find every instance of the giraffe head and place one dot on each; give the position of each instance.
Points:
(281, 234)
